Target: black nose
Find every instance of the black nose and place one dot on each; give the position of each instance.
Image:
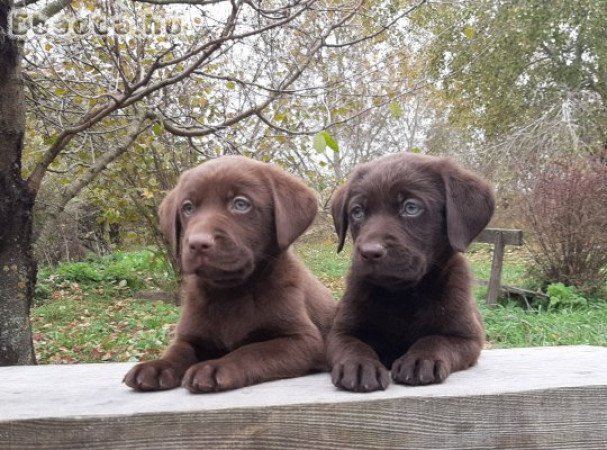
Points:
(371, 251)
(201, 242)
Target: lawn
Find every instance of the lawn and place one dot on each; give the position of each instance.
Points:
(90, 311)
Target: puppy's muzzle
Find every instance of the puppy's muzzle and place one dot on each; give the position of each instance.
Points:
(371, 251)
(201, 243)
(388, 265)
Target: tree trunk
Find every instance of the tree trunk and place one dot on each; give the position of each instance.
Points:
(17, 266)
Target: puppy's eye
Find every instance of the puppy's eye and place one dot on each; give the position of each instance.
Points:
(241, 204)
(411, 208)
(187, 208)
(357, 212)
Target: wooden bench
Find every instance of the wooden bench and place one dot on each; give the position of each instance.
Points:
(499, 237)
(537, 398)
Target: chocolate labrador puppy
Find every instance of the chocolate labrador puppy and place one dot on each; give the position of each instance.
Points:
(408, 305)
(251, 311)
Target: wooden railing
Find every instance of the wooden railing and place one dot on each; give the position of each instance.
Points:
(538, 398)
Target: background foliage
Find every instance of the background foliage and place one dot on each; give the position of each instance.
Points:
(514, 89)
(135, 92)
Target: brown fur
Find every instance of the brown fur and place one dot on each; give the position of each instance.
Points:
(251, 311)
(408, 305)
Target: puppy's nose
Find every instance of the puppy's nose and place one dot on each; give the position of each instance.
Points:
(371, 251)
(201, 242)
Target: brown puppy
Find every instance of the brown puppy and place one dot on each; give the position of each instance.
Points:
(251, 311)
(408, 304)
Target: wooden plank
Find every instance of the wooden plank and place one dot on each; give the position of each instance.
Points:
(508, 236)
(553, 397)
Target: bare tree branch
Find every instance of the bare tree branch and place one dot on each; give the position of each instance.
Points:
(320, 42)
(136, 127)
(98, 112)
(183, 2)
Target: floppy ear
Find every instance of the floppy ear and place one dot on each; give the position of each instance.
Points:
(469, 204)
(340, 215)
(170, 224)
(295, 207)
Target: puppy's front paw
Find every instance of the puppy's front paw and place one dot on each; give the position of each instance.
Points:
(360, 375)
(213, 376)
(155, 375)
(417, 370)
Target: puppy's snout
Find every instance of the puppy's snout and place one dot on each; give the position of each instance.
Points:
(201, 242)
(371, 251)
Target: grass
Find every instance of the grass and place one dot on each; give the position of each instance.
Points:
(101, 329)
(87, 311)
(328, 265)
(512, 326)
(121, 271)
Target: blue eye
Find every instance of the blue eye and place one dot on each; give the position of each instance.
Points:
(187, 208)
(241, 204)
(411, 208)
(357, 212)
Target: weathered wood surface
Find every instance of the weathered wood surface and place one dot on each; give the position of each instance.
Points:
(539, 398)
(508, 236)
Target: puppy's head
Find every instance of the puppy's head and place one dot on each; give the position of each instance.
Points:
(407, 213)
(228, 215)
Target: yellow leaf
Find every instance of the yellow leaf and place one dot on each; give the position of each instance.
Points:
(469, 32)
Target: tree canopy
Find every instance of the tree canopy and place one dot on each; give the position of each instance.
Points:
(503, 63)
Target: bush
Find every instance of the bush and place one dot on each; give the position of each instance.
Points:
(128, 271)
(565, 211)
(562, 296)
(132, 268)
(79, 272)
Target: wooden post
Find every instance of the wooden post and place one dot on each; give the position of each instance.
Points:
(496, 270)
(523, 399)
(499, 237)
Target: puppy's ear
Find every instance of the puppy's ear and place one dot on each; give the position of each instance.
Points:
(340, 215)
(170, 223)
(469, 203)
(295, 207)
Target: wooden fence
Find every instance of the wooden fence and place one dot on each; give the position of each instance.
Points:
(499, 237)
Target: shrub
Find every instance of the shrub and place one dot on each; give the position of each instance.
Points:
(565, 210)
(79, 272)
(132, 268)
(562, 296)
(121, 270)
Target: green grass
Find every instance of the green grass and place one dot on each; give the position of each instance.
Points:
(328, 265)
(121, 271)
(514, 270)
(86, 311)
(101, 329)
(513, 326)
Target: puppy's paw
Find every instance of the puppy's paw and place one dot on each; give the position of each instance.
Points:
(155, 375)
(417, 370)
(360, 375)
(213, 376)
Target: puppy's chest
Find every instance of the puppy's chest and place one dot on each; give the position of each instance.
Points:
(232, 323)
(406, 319)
